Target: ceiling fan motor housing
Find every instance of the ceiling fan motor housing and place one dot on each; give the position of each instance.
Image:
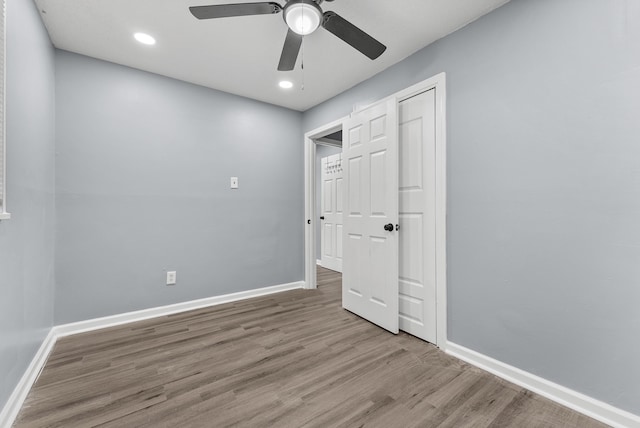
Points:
(303, 16)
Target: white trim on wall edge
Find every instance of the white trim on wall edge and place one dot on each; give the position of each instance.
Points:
(318, 262)
(114, 320)
(581, 403)
(14, 404)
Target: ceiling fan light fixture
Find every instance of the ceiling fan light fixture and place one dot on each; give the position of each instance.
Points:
(303, 17)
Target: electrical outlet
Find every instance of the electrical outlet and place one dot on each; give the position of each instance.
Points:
(171, 277)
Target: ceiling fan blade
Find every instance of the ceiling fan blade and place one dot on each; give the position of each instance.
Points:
(290, 51)
(351, 34)
(238, 9)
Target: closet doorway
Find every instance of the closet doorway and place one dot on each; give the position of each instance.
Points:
(394, 166)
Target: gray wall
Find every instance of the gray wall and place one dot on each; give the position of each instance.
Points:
(321, 152)
(143, 166)
(543, 187)
(27, 240)
(544, 196)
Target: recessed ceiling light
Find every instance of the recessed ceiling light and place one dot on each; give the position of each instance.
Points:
(145, 38)
(285, 84)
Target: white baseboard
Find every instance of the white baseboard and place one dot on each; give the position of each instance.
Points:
(13, 405)
(319, 262)
(114, 320)
(586, 405)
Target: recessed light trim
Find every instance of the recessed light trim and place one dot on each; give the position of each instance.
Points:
(144, 38)
(285, 84)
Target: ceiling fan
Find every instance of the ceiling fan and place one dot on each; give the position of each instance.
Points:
(303, 17)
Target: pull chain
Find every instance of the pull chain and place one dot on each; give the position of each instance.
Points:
(302, 53)
(302, 64)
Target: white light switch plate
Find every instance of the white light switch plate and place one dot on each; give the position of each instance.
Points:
(234, 182)
(171, 277)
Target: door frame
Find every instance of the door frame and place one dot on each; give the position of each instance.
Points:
(437, 82)
(310, 195)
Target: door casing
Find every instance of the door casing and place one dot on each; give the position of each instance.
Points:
(437, 82)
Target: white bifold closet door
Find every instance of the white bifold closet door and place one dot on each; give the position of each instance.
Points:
(370, 264)
(417, 275)
(332, 202)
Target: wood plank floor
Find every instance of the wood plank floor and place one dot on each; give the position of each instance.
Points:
(292, 359)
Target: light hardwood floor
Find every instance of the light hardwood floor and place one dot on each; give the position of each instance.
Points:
(291, 359)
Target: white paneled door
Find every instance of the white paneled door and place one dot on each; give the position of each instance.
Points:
(332, 201)
(417, 279)
(370, 264)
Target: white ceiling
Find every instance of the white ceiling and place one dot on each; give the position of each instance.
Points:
(240, 55)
